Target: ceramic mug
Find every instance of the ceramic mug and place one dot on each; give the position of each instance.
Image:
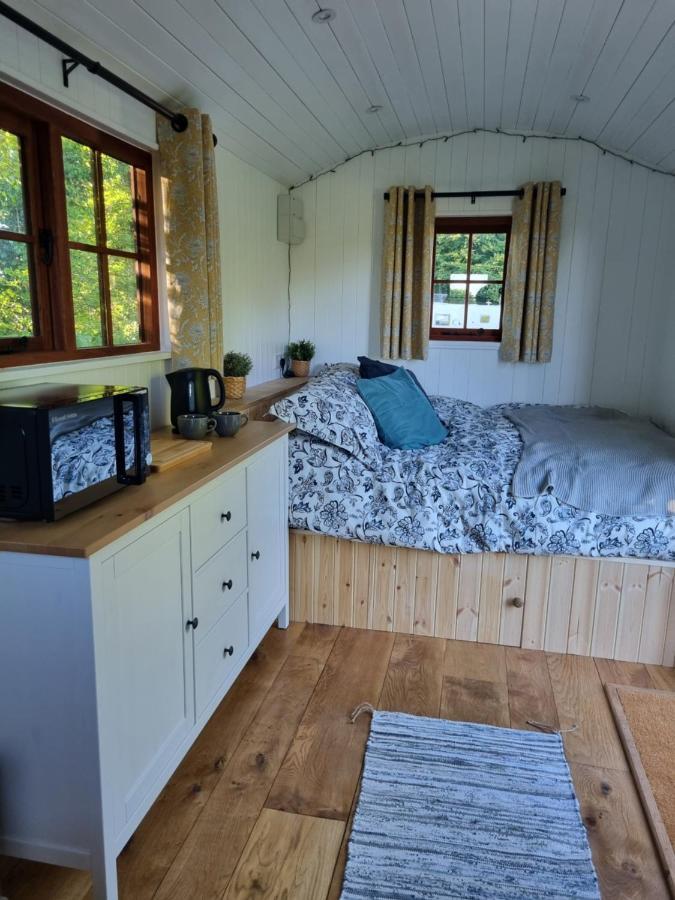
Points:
(229, 423)
(195, 425)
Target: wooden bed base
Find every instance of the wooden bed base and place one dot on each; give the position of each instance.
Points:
(613, 609)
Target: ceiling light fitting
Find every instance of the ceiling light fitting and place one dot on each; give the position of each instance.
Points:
(375, 108)
(323, 15)
(580, 98)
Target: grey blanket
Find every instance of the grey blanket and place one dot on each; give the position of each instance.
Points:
(597, 460)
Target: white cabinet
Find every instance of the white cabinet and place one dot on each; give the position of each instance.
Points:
(120, 658)
(266, 492)
(148, 663)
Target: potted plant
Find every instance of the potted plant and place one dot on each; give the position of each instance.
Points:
(301, 353)
(236, 367)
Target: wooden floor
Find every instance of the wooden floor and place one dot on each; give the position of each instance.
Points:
(261, 804)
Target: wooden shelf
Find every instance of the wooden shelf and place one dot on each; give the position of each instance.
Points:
(257, 400)
(90, 529)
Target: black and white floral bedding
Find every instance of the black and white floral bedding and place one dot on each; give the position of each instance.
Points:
(454, 497)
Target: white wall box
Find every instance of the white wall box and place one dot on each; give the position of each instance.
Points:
(112, 664)
(290, 224)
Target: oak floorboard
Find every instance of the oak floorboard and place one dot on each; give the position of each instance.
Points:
(27, 880)
(467, 659)
(316, 642)
(614, 671)
(474, 683)
(529, 687)
(335, 888)
(624, 855)
(472, 700)
(287, 855)
(320, 772)
(209, 855)
(662, 677)
(153, 848)
(414, 676)
(582, 706)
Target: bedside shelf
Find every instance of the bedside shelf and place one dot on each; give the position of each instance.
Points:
(258, 399)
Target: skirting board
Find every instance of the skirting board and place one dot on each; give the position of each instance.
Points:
(609, 608)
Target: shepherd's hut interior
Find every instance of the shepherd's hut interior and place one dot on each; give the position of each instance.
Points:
(337, 449)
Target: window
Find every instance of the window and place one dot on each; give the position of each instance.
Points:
(77, 245)
(468, 278)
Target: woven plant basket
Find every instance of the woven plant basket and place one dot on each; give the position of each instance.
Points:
(235, 386)
(300, 367)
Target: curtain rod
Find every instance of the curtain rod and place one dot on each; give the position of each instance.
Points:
(474, 194)
(74, 58)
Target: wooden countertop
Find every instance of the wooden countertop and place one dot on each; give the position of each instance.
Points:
(90, 529)
(267, 392)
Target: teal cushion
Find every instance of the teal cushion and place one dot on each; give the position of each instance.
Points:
(404, 417)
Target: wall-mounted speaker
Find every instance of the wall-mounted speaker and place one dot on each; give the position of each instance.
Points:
(290, 224)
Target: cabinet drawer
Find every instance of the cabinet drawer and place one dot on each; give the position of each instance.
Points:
(218, 583)
(217, 516)
(213, 661)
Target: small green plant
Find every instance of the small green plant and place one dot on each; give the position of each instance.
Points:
(301, 350)
(237, 365)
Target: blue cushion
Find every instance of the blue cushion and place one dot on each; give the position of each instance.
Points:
(404, 417)
(375, 368)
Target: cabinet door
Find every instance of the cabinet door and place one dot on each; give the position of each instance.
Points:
(149, 659)
(266, 495)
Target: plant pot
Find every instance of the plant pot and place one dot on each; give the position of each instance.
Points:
(300, 367)
(235, 386)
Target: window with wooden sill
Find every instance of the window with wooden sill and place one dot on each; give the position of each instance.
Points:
(77, 241)
(469, 269)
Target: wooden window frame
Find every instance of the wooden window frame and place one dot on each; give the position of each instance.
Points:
(41, 127)
(469, 225)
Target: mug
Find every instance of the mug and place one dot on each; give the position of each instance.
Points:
(229, 423)
(195, 425)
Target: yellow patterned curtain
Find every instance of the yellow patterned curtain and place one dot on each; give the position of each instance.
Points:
(192, 241)
(529, 290)
(406, 273)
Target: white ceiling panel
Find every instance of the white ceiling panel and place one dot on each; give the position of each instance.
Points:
(292, 96)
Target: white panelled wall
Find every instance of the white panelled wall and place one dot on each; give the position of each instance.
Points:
(254, 265)
(614, 292)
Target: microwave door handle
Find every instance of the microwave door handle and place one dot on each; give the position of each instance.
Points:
(120, 451)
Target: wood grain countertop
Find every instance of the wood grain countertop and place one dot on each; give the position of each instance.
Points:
(88, 530)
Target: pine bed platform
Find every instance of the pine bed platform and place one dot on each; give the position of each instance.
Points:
(616, 609)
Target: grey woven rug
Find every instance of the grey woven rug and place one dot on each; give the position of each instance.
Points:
(450, 809)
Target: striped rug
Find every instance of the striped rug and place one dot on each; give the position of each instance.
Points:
(450, 809)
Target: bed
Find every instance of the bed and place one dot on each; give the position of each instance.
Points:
(452, 505)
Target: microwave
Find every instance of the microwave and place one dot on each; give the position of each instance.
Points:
(63, 446)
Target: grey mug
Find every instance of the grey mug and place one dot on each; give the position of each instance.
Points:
(229, 423)
(195, 425)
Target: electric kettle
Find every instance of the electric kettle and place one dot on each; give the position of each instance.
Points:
(191, 392)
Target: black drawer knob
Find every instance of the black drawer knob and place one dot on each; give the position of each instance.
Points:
(228, 651)
(227, 585)
(225, 517)
(255, 555)
(192, 623)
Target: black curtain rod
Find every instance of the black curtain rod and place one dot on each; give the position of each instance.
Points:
(74, 58)
(474, 194)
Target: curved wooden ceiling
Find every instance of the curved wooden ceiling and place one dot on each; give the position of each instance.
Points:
(290, 95)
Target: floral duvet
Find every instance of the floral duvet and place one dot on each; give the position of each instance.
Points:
(454, 497)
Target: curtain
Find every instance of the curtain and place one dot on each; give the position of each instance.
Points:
(406, 273)
(192, 241)
(529, 290)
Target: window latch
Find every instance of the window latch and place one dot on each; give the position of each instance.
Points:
(46, 241)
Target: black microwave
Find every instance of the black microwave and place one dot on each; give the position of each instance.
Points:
(63, 446)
